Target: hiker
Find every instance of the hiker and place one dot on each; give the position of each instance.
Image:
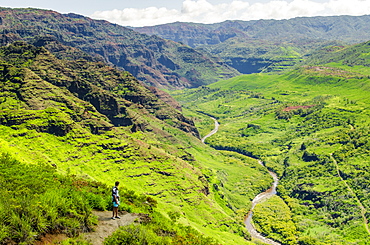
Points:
(115, 200)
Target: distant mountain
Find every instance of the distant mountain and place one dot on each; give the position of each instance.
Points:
(350, 29)
(265, 45)
(154, 60)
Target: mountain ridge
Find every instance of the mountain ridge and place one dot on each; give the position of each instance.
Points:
(321, 27)
(266, 45)
(158, 62)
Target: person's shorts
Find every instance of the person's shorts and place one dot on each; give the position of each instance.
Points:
(115, 204)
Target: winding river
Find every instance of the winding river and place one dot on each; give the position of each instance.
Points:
(213, 131)
(258, 199)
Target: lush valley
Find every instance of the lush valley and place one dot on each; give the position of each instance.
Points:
(73, 120)
(311, 127)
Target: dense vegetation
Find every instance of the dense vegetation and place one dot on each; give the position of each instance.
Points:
(311, 127)
(273, 219)
(36, 200)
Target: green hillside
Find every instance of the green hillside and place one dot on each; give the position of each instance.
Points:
(311, 127)
(98, 124)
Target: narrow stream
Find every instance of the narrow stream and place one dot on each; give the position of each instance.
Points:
(258, 199)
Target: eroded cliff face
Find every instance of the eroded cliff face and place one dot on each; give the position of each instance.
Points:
(108, 97)
(166, 98)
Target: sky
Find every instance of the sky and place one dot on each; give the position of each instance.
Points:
(154, 12)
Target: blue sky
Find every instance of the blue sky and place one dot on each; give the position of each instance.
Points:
(153, 12)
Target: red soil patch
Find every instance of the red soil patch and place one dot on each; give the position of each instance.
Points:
(51, 239)
(289, 108)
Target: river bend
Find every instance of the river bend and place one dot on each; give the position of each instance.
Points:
(258, 199)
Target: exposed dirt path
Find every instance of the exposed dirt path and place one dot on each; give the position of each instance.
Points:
(107, 226)
(359, 204)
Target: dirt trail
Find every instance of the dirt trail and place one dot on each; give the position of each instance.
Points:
(107, 226)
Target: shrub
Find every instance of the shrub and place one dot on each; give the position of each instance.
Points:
(134, 235)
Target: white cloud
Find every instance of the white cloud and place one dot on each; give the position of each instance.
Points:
(345, 7)
(202, 11)
(138, 17)
(283, 10)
